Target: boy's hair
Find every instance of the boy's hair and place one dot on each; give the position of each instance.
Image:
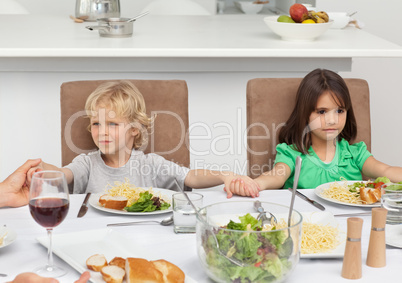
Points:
(126, 101)
(313, 85)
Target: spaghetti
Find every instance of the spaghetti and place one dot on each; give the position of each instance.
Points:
(318, 238)
(341, 193)
(130, 191)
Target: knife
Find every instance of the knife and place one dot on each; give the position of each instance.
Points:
(313, 202)
(84, 206)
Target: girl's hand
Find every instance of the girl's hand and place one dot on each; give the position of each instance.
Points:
(242, 186)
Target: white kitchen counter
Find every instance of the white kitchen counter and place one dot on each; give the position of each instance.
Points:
(216, 55)
(180, 36)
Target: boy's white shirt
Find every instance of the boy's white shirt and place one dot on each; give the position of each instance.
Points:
(91, 174)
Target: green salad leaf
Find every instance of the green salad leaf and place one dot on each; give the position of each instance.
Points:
(353, 188)
(395, 187)
(382, 179)
(262, 252)
(147, 203)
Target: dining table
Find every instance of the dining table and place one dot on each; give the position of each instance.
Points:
(161, 242)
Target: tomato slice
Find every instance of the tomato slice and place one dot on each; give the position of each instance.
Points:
(378, 185)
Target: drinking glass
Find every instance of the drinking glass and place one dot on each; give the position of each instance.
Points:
(392, 201)
(184, 215)
(49, 204)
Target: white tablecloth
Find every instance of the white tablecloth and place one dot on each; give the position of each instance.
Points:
(26, 253)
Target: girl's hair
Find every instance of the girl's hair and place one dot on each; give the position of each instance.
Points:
(296, 131)
(126, 101)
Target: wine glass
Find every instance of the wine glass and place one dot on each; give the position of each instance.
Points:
(49, 204)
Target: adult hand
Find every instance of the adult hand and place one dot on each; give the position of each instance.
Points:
(14, 189)
(29, 277)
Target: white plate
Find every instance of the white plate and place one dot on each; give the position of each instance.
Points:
(9, 238)
(318, 191)
(75, 248)
(393, 235)
(165, 194)
(326, 218)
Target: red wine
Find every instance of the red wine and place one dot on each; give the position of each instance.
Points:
(49, 212)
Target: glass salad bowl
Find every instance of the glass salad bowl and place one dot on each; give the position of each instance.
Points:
(233, 246)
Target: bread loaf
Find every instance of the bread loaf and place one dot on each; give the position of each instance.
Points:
(113, 274)
(118, 261)
(136, 270)
(96, 262)
(171, 273)
(139, 270)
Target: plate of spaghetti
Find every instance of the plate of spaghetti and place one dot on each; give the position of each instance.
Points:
(127, 199)
(321, 236)
(341, 193)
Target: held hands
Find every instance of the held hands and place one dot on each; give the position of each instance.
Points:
(33, 170)
(15, 188)
(242, 186)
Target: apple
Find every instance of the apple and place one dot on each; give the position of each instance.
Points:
(298, 12)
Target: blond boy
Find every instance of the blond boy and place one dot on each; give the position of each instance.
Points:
(118, 125)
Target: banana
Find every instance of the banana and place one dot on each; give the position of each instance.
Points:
(320, 20)
(323, 15)
(311, 15)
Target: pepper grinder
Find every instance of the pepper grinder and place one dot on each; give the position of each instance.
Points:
(376, 249)
(352, 259)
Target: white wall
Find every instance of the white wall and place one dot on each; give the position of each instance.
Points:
(129, 8)
(383, 75)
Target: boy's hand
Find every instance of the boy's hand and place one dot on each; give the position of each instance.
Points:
(242, 186)
(32, 171)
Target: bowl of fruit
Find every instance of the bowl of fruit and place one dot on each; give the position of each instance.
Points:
(236, 244)
(300, 24)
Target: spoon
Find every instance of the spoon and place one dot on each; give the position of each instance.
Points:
(165, 222)
(288, 243)
(138, 16)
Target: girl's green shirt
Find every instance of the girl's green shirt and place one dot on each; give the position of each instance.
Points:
(347, 164)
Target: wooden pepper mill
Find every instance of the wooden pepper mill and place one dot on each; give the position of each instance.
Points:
(352, 259)
(376, 249)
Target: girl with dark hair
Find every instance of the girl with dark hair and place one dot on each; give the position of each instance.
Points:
(321, 130)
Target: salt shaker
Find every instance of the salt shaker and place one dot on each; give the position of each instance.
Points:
(352, 259)
(376, 249)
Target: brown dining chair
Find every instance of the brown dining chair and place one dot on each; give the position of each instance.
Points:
(270, 102)
(168, 136)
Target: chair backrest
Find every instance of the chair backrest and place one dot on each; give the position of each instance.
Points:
(168, 137)
(270, 102)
